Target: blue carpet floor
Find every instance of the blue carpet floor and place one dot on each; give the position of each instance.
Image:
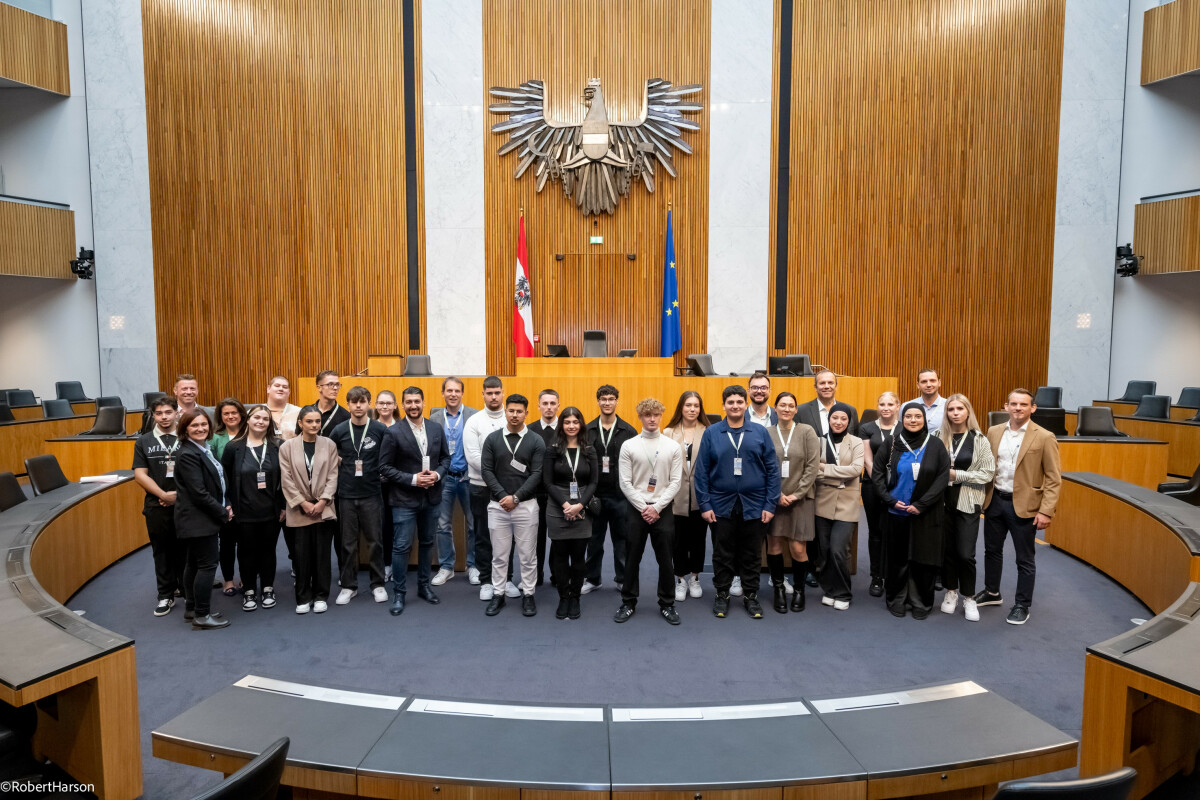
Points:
(454, 650)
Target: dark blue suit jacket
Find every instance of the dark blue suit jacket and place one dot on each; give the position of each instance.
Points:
(400, 460)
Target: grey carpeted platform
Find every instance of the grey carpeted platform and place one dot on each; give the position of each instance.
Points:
(454, 650)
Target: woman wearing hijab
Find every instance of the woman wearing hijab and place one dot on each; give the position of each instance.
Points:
(911, 478)
(799, 454)
(838, 491)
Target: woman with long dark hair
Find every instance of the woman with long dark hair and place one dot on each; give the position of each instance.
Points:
(251, 462)
(200, 511)
(308, 468)
(686, 428)
(838, 496)
(793, 526)
(230, 421)
(570, 475)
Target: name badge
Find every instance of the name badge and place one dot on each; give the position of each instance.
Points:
(262, 479)
(605, 464)
(358, 473)
(424, 463)
(452, 445)
(916, 468)
(652, 484)
(785, 469)
(574, 490)
(737, 466)
(518, 466)
(170, 465)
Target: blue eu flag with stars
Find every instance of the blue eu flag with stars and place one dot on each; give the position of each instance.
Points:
(672, 338)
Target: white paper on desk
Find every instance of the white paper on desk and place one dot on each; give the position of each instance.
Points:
(100, 479)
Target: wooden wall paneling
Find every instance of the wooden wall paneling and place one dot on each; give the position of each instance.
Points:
(624, 43)
(1167, 233)
(39, 241)
(924, 141)
(277, 172)
(1170, 40)
(33, 51)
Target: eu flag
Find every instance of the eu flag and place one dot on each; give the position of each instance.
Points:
(672, 338)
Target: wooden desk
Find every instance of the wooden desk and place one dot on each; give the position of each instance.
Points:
(24, 413)
(91, 455)
(1140, 461)
(21, 440)
(636, 367)
(1182, 438)
(1126, 409)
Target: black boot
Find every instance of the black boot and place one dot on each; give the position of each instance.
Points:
(781, 598)
(564, 605)
(798, 597)
(799, 570)
(573, 605)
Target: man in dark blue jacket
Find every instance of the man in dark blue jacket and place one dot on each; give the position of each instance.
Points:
(737, 487)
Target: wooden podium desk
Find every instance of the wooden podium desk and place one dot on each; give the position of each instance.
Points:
(1182, 438)
(1139, 461)
(635, 367)
(91, 455)
(27, 438)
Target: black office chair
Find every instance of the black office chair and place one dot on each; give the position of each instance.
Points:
(1154, 406)
(45, 474)
(1048, 397)
(868, 415)
(713, 418)
(57, 409)
(701, 364)
(1112, 786)
(109, 400)
(557, 351)
(628, 352)
(806, 369)
(6, 414)
(1187, 491)
(71, 391)
(21, 398)
(1136, 390)
(150, 397)
(258, 780)
(1189, 397)
(1052, 419)
(418, 366)
(110, 421)
(997, 418)
(595, 344)
(11, 493)
(1096, 421)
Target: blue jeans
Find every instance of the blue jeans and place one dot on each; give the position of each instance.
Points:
(423, 520)
(454, 488)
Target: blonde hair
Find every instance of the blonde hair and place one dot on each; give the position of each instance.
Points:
(888, 394)
(650, 406)
(972, 423)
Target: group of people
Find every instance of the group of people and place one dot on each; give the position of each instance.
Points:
(222, 482)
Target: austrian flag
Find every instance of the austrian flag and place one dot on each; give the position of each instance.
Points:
(522, 324)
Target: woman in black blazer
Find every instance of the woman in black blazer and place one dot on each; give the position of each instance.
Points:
(200, 510)
(251, 463)
(570, 462)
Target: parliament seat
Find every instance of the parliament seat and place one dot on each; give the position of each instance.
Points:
(868, 415)
(1187, 491)
(110, 421)
(701, 365)
(150, 397)
(258, 780)
(21, 398)
(1136, 390)
(1154, 406)
(45, 474)
(1111, 786)
(418, 366)
(1048, 397)
(57, 409)
(109, 400)
(1052, 419)
(1096, 421)
(997, 418)
(595, 344)
(6, 414)
(71, 391)
(1189, 397)
(11, 493)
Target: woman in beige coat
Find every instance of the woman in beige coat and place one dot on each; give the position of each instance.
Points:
(691, 531)
(838, 493)
(308, 466)
(799, 452)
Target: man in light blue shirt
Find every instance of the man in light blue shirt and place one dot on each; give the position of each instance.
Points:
(935, 405)
(453, 418)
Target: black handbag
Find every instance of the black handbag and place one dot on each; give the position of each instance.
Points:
(593, 506)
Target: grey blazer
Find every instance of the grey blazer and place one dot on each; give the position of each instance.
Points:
(438, 415)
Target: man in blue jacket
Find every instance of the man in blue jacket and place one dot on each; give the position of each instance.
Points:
(737, 487)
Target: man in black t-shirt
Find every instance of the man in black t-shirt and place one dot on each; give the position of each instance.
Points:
(607, 433)
(154, 470)
(359, 495)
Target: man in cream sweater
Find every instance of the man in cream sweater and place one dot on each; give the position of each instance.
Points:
(650, 473)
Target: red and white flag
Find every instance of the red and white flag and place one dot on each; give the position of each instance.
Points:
(522, 323)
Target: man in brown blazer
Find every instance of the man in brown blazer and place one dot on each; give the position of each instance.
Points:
(1021, 500)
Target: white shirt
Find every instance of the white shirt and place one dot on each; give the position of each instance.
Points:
(824, 416)
(933, 413)
(479, 427)
(418, 432)
(1006, 456)
(764, 420)
(552, 424)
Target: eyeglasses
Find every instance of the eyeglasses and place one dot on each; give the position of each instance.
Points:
(334, 385)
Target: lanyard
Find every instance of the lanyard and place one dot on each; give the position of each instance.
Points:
(358, 448)
(308, 461)
(920, 451)
(737, 446)
(454, 428)
(652, 459)
(833, 448)
(170, 450)
(571, 464)
(259, 458)
(611, 431)
(789, 439)
(511, 452)
(328, 420)
(954, 453)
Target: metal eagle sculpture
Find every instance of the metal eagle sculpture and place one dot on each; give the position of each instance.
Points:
(599, 161)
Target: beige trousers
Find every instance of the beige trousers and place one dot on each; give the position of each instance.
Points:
(519, 525)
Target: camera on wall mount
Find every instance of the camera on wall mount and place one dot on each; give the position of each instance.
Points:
(1128, 264)
(84, 267)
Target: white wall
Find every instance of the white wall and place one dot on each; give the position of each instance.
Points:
(1156, 318)
(48, 327)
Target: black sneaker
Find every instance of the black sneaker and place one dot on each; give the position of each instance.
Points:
(164, 606)
(1018, 616)
(876, 589)
(986, 598)
(623, 613)
(564, 607)
(188, 614)
(669, 614)
(494, 606)
(528, 607)
(268, 598)
(753, 607)
(721, 605)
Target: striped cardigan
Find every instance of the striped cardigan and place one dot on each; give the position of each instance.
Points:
(975, 479)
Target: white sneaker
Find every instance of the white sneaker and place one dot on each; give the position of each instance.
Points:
(841, 605)
(442, 576)
(387, 573)
(589, 587)
(680, 590)
(320, 607)
(380, 594)
(344, 596)
(950, 603)
(971, 609)
(473, 576)
(486, 591)
(303, 608)
(511, 590)
(735, 588)
(787, 585)
(827, 601)
(694, 588)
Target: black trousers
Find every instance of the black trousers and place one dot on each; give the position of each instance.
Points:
(737, 550)
(360, 515)
(311, 560)
(289, 541)
(198, 571)
(568, 565)
(612, 516)
(388, 533)
(873, 507)
(999, 520)
(169, 552)
(256, 553)
(691, 539)
(906, 583)
(962, 533)
(834, 573)
(661, 535)
(228, 550)
(541, 542)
